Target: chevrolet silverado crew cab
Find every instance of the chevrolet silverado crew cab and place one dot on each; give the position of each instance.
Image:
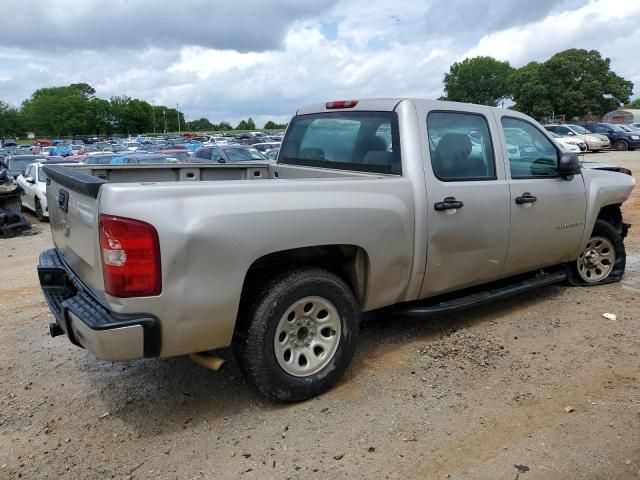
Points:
(422, 206)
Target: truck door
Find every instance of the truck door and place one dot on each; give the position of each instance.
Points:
(547, 211)
(468, 201)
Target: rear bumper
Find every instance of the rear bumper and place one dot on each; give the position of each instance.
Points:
(87, 323)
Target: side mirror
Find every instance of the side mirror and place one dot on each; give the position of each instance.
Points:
(570, 133)
(30, 180)
(568, 164)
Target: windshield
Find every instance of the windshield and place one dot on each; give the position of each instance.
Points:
(616, 128)
(240, 154)
(555, 135)
(362, 141)
(18, 164)
(579, 129)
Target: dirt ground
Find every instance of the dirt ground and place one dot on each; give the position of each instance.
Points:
(482, 394)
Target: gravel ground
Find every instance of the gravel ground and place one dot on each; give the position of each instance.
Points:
(536, 387)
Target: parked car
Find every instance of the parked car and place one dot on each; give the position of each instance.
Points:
(17, 163)
(620, 139)
(272, 154)
(144, 159)
(570, 144)
(227, 154)
(33, 181)
(262, 147)
(402, 203)
(595, 142)
(182, 155)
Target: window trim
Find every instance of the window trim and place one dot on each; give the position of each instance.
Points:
(346, 166)
(493, 149)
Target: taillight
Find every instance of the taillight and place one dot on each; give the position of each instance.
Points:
(130, 257)
(341, 104)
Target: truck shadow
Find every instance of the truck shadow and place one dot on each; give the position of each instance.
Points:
(157, 396)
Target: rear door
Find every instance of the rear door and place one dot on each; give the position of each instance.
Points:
(468, 200)
(547, 211)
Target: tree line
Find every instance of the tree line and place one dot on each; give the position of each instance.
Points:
(75, 110)
(573, 83)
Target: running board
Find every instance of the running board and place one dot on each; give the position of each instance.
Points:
(427, 307)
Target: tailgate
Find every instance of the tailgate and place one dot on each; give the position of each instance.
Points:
(72, 198)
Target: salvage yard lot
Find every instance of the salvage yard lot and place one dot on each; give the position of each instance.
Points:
(536, 387)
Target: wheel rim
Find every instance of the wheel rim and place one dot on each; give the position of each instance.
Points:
(621, 145)
(307, 336)
(596, 261)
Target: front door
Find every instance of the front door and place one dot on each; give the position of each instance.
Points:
(468, 196)
(547, 211)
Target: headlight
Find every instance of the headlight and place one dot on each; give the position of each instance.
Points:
(635, 137)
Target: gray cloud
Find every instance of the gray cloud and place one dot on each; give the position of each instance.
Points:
(464, 18)
(247, 25)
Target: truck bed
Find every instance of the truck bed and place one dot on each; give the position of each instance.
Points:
(187, 173)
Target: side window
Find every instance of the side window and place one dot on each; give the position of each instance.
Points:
(204, 153)
(531, 153)
(28, 172)
(216, 155)
(460, 146)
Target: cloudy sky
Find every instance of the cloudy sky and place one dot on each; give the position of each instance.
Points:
(263, 58)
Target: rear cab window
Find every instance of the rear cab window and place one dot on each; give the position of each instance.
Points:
(360, 141)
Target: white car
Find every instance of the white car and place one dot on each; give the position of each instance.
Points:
(33, 181)
(569, 144)
(132, 146)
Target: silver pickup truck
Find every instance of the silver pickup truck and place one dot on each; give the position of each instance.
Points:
(422, 206)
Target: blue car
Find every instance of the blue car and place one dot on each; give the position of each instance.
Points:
(619, 137)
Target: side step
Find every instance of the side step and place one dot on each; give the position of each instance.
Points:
(425, 308)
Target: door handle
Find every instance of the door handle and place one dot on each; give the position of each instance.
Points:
(526, 198)
(448, 203)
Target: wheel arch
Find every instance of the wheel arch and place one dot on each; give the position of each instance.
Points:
(349, 262)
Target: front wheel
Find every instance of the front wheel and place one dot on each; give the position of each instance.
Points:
(39, 212)
(621, 145)
(603, 259)
(300, 334)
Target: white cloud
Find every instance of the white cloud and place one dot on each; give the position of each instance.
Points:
(350, 48)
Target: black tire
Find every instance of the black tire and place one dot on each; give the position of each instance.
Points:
(254, 344)
(603, 228)
(621, 145)
(39, 213)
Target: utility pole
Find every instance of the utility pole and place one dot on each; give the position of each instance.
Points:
(153, 109)
(164, 115)
(178, 110)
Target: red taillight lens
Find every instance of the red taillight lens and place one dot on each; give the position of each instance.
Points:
(341, 104)
(130, 253)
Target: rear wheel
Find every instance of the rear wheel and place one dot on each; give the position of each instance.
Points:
(621, 145)
(603, 259)
(300, 334)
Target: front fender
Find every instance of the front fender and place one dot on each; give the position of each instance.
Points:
(603, 188)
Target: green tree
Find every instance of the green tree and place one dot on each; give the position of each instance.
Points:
(99, 117)
(481, 80)
(223, 127)
(199, 125)
(58, 110)
(132, 116)
(634, 104)
(9, 120)
(573, 83)
(248, 124)
(271, 125)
